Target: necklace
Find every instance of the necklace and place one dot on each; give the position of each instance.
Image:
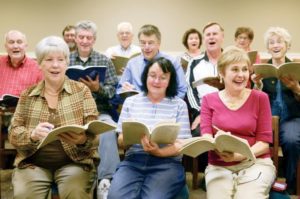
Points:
(234, 102)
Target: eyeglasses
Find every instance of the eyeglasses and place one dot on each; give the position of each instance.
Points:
(147, 43)
(162, 78)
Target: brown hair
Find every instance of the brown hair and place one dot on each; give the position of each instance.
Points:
(246, 30)
(187, 34)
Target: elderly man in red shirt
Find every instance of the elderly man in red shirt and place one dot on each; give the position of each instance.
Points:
(17, 70)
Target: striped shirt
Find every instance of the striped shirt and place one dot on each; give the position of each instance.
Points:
(75, 106)
(199, 68)
(140, 108)
(16, 79)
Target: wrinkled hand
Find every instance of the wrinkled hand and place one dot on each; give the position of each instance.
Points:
(127, 86)
(93, 85)
(73, 138)
(291, 83)
(41, 131)
(256, 79)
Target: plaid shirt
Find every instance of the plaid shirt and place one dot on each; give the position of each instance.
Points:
(75, 106)
(107, 90)
(16, 79)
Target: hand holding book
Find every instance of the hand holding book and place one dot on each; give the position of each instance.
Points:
(94, 127)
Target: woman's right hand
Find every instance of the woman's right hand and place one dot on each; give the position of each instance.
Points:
(127, 86)
(196, 122)
(257, 80)
(41, 131)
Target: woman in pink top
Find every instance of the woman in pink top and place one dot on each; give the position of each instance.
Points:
(244, 113)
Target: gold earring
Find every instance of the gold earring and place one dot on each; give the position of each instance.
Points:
(221, 80)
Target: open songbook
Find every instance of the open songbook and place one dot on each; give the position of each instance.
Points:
(124, 94)
(291, 69)
(212, 81)
(184, 64)
(223, 142)
(252, 56)
(77, 71)
(120, 62)
(162, 133)
(95, 127)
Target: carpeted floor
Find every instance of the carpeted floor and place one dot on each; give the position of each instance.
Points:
(6, 187)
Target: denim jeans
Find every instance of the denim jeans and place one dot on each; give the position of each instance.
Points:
(108, 151)
(146, 176)
(290, 143)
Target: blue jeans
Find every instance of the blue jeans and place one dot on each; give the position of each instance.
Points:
(108, 151)
(290, 143)
(145, 176)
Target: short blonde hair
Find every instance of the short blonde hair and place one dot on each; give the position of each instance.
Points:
(281, 32)
(230, 55)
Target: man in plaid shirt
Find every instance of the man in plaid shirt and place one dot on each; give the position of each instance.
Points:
(103, 92)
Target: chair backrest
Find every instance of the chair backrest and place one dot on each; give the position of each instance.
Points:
(275, 146)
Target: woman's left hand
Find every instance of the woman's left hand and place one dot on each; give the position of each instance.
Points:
(149, 146)
(73, 138)
(230, 157)
(291, 83)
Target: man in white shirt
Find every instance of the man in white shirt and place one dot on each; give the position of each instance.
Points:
(125, 47)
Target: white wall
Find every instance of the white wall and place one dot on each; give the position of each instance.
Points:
(40, 18)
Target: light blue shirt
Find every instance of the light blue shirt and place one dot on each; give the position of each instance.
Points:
(135, 67)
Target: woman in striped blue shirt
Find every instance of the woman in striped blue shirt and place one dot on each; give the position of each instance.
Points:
(150, 170)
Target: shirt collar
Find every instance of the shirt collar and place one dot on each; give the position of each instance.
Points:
(76, 53)
(39, 89)
(146, 61)
(21, 64)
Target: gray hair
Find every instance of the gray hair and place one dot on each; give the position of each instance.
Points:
(86, 25)
(15, 31)
(124, 24)
(51, 44)
(281, 32)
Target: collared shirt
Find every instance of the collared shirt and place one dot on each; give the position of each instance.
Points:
(75, 106)
(107, 90)
(135, 67)
(199, 68)
(120, 51)
(140, 108)
(16, 79)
